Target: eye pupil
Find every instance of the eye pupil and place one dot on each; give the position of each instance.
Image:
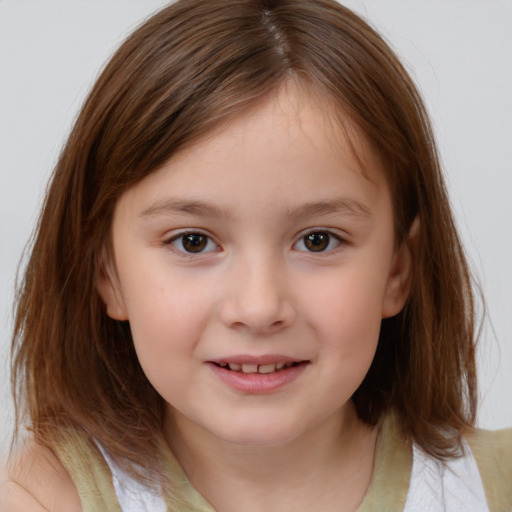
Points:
(316, 242)
(194, 242)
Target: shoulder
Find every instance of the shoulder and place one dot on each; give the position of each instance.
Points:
(492, 451)
(493, 440)
(36, 481)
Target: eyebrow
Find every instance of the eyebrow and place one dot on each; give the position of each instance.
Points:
(197, 208)
(345, 206)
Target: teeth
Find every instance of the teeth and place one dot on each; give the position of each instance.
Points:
(267, 368)
(249, 368)
(254, 368)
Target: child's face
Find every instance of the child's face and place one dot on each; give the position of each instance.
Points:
(262, 244)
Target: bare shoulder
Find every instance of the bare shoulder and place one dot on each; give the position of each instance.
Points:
(36, 481)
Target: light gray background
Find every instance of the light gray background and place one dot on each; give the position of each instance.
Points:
(459, 51)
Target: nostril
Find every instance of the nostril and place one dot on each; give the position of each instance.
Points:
(257, 327)
(254, 312)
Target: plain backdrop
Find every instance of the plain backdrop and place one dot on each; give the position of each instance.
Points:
(459, 52)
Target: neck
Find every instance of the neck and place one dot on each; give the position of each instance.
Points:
(327, 468)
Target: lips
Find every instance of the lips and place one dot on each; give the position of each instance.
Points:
(256, 375)
(256, 368)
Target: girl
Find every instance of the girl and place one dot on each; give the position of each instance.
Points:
(246, 291)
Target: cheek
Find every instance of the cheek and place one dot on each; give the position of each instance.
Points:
(351, 301)
(166, 321)
(157, 298)
(347, 320)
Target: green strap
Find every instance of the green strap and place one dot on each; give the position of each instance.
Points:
(391, 471)
(89, 473)
(183, 497)
(493, 455)
(387, 491)
(92, 477)
(93, 480)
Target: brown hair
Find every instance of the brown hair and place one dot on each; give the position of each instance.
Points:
(191, 66)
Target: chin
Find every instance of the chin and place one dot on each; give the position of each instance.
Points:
(257, 433)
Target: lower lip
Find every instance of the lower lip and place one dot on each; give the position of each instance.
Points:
(258, 383)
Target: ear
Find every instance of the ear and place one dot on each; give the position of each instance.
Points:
(400, 276)
(108, 289)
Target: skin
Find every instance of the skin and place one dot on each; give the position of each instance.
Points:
(252, 191)
(37, 482)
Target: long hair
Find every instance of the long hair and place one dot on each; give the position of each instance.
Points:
(191, 66)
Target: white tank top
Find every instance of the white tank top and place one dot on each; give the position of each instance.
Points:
(132, 495)
(454, 486)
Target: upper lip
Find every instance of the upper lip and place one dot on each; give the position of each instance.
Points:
(258, 360)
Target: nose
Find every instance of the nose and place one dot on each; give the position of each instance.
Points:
(256, 298)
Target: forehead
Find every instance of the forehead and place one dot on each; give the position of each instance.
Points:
(293, 111)
(292, 147)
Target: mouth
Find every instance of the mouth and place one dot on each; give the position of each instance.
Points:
(258, 375)
(258, 368)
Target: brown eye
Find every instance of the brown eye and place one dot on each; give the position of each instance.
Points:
(193, 243)
(316, 242)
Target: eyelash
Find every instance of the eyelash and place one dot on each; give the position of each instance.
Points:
(175, 239)
(204, 241)
(330, 237)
